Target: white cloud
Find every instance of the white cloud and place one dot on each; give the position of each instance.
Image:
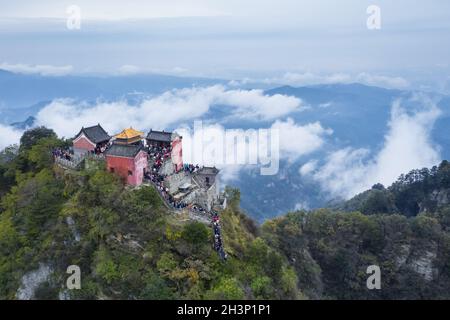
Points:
(111, 10)
(67, 117)
(128, 69)
(383, 81)
(309, 78)
(8, 136)
(407, 146)
(299, 140)
(308, 167)
(254, 103)
(208, 145)
(302, 206)
(45, 70)
(345, 172)
(179, 70)
(229, 174)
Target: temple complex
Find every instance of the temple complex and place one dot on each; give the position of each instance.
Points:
(156, 159)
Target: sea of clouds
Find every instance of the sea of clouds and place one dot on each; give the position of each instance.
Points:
(340, 172)
(407, 145)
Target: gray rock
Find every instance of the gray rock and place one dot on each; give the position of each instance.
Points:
(424, 265)
(32, 280)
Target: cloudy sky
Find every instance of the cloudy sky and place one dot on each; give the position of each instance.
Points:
(293, 42)
(285, 41)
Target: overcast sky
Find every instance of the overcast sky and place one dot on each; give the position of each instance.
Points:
(258, 39)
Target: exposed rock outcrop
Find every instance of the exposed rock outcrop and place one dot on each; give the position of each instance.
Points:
(32, 280)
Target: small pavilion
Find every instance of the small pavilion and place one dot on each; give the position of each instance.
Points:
(129, 136)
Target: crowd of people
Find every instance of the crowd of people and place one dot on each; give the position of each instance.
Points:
(190, 168)
(69, 156)
(197, 209)
(158, 181)
(100, 149)
(218, 243)
(159, 154)
(61, 153)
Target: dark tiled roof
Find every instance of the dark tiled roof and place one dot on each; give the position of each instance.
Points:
(160, 136)
(208, 170)
(96, 134)
(120, 150)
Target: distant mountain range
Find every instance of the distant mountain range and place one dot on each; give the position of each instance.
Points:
(358, 115)
(29, 92)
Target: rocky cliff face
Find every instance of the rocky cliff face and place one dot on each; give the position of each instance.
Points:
(32, 280)
(420, 261)
(441, 197)
(423, 265)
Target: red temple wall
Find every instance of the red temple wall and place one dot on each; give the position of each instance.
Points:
(122, 165)
(140, 164)
(177, 154)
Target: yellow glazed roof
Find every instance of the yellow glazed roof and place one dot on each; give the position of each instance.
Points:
(129, 134)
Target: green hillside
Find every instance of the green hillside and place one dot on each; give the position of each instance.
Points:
(128, 245)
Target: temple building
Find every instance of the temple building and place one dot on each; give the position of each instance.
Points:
(207, 180)
(128, 161)
(171, 142)
(129, 136)
(206, 177)
(91, 139)
(159, 139)
(200, 187)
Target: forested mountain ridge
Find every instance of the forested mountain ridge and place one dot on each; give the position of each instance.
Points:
(129, 246)
(404, 229)
(421, 190)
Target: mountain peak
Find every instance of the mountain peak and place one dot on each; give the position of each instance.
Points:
(29, 122)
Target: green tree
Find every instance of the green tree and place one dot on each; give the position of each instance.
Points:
(40, 153)
(9, 237)
(103, 189)
(289, 282)
(379, 201)
(196, 234)
(156, 288)
(262, 287)
(226, 289)
(32, 136)
(102, 222)
(105, 267)
(166, 263)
